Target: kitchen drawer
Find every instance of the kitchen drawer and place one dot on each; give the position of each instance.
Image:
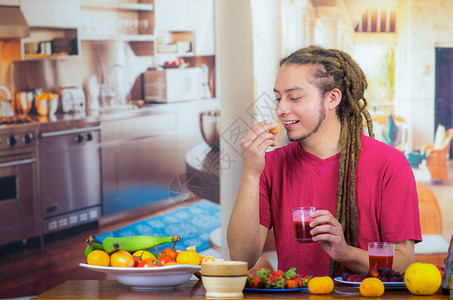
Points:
(137, 127)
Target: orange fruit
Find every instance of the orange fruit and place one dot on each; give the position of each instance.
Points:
(422, 278)
(98, 258)
(372, 287)
(275, 130)
(191, 248)
(207, 259)
(189, 257)
(121, 258)
(320, 285)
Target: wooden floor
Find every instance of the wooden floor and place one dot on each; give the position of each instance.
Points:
(29, 270)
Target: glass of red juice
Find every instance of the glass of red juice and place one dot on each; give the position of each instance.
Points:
(302, 219)
(380, 254)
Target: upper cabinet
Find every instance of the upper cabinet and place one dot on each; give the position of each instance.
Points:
(51, 13)
(194, 17)
(53, 29)
(117, 20)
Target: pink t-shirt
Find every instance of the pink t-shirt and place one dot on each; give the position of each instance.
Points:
(386, 199)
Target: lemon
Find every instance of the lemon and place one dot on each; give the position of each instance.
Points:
(98, 258)
(143, 254)
(320, 285)
(422, 278)
(188, 258)
(372, 287)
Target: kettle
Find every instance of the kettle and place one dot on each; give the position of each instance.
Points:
(5, 104)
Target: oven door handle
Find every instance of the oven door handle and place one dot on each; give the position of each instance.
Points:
(17, 162)
(69, 131)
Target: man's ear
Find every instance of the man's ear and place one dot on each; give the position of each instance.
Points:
(334, 98)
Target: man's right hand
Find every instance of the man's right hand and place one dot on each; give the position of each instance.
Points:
(253, 147)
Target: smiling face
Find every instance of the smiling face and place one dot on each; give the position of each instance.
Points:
(300, 104)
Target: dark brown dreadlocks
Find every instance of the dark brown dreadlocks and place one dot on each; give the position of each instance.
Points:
(337, 69)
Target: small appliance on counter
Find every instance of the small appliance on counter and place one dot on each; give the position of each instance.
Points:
(173, 85)
(72, 100)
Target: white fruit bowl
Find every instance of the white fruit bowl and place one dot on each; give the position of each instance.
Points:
(149, 278)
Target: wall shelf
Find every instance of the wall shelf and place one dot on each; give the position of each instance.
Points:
(138, 38)
(117, 5)
(136, 6)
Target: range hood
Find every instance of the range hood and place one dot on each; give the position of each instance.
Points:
(13, 23)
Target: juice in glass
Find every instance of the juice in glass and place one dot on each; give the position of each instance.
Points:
(302, 221)
(381, 261)
(380, 254)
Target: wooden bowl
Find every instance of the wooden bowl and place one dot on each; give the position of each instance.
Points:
(224, 279)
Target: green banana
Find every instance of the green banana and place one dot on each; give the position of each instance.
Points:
(92, 245)
(134, 243)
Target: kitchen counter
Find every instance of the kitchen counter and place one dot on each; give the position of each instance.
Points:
(193, 289)
(114, 113)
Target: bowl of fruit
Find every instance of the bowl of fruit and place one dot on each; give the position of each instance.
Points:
(128, 259)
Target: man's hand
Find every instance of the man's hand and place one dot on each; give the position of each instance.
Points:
(328, 233)
(254, 145)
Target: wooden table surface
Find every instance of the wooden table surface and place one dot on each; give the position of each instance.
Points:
(111, 289)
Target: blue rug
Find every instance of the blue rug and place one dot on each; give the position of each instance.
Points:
(193, 224)
(136, 196)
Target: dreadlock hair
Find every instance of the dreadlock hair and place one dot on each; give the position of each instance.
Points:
(336, 69)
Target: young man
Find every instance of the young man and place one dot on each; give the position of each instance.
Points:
(364, 189)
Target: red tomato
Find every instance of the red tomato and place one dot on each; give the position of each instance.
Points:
(170, 252)
(164, 259)
(137, 261)
(147, 263)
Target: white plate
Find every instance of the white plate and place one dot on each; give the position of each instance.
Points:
(387, 284)
(155, 277)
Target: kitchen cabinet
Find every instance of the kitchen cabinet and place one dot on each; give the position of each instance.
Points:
(51, 13)
(197, 16)
(50, 42)
(117, 20)
(142, 155)
(53, 29)
(138, 161)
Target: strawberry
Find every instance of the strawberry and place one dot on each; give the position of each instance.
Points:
(291, 273)
(280, 283)
(264, 273)
(255, 282)
(298, 282)
(278, 273)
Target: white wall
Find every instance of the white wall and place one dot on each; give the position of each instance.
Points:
(235, 81)
(422, 25)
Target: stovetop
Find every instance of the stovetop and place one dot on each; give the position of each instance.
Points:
(15, 120)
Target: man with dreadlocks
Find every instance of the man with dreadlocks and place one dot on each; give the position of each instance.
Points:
(364, 189)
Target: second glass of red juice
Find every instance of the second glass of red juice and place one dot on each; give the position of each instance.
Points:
(380, 254)
(302, 221)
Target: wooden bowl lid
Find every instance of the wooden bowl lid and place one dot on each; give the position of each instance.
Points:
(224, 268)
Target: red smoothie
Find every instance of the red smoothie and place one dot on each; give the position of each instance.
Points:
(381, 261)
(302, 229)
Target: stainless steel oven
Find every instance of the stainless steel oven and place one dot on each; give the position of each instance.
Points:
(19, 203)
(70, 177)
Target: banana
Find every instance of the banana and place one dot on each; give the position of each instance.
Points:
(134, 243)
(91, 245)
